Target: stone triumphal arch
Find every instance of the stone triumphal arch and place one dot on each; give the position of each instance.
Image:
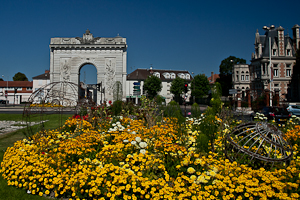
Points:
(108, 55)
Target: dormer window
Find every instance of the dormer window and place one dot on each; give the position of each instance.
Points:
(188, 76)
(173, 76)
(157, 74)
(166, 75)
(181, 75)
(288, 52)
(274, 52)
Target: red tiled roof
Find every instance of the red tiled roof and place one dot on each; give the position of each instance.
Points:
(215, 77)
(45, 76)
(16, 84)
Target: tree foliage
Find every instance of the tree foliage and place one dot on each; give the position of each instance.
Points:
(294, 88)
(200, 86)
(177, 88)
(225, 69)
(20, 77)
(152, 86)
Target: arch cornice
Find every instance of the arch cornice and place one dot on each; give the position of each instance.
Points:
(88, 47)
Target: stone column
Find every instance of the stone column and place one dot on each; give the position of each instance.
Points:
(248, 98)
(239, 99)
(276, 97)
(267, 99)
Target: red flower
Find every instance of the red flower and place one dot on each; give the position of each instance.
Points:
(43, 152)
(110, 102)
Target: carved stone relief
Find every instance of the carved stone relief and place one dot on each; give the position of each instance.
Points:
(110, 68)
(65, 69)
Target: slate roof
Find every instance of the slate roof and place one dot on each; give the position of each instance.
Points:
(273, 33)
(3, 84)
(142, 74)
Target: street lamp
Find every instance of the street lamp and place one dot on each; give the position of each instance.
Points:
(6, 96)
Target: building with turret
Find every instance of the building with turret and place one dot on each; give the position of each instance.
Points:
(273, 60)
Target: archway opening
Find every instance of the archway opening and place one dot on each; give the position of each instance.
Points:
(88, 82)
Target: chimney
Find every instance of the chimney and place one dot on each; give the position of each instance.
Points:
(296, 38)
(47, 71)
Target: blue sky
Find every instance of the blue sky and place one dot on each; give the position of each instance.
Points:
(167, 34)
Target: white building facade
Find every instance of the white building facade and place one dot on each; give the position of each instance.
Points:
(166, 76)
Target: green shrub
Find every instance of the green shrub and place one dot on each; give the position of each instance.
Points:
(117, 107)
(159, 100)
(173, 110)
(196, 112)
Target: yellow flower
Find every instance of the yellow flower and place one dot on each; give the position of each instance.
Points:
(191, 170)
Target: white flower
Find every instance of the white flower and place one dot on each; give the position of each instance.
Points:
(125, 141)
(133, 142)
(143, 144)
(113, 124)
(143, 151)
(138, 139)
(28, 192)
(133, 132)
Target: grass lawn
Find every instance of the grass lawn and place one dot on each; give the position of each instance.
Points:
(7, 140)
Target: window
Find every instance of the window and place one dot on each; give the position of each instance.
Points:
(247, 77)
(166, 75)
(288, 72)
(288, 52)
(173, 76)
(275, 72)
(157, 74)
(242, 78)
(274, 52)
(288, 66)
(264, 69)
(187, 76)
(237, 77)
(29, 88)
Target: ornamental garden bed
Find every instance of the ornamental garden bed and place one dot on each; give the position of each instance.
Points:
(124, 158)
(120, 151)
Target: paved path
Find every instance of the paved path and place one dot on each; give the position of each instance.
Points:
(10, 126)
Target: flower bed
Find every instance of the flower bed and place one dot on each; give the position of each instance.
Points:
(125, 159)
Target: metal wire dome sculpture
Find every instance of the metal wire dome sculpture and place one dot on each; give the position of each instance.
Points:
(62, 97)
(258, 144)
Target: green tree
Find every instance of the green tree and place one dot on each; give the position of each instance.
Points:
(225, 69)
(294, 89)
(152, 86)
(177, 88)
(200, 86)
(20, 77)
(1, 79)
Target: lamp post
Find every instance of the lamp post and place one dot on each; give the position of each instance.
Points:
(6, 95)
(233, 82)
